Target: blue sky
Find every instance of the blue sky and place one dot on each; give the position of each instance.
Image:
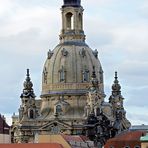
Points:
(117, 28)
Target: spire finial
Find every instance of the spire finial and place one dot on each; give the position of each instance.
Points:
(116, 86)
(28, 73)
(27, 76)
(28, 90)
(116, 77)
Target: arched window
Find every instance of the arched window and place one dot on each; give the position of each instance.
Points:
(127, 147)
(31, 114)
(62, 74)
(69, 21)
(80, 21)
(85, 75)
(58, 109)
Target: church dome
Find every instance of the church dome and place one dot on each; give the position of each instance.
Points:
(68, 69)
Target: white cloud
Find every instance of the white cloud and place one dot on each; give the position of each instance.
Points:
(26, 18)
(5, 6)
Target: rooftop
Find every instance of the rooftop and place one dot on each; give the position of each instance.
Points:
(139, 127)
(128, 138)
(43, 145)
(4, 127)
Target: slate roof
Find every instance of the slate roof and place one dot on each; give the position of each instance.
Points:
(4, 127)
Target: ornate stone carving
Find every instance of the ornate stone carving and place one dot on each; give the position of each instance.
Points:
(101, 75)
(64, 52)
(83, 52)
(49, 54)
(95, 53)
(45, 73)
(94, 86)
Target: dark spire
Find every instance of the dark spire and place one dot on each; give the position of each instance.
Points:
(28, 76)
(72, 3)
(116, 86)
(94, 80)
(116, 77)
(28, 90)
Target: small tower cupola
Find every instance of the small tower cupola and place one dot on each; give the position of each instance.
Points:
(72, 21)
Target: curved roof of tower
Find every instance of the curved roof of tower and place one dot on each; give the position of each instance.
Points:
(73, 3)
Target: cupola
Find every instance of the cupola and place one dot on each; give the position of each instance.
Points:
(72, 22)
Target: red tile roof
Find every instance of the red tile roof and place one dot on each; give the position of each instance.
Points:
(38, 145)
(128, 138)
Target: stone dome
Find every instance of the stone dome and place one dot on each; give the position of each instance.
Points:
(68, 70)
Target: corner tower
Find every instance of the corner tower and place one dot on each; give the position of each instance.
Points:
(67, 70)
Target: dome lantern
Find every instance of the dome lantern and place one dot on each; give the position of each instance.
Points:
(72, 22)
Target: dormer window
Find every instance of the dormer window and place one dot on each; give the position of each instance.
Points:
(58, 109)
(62, 74)
(85, 75)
